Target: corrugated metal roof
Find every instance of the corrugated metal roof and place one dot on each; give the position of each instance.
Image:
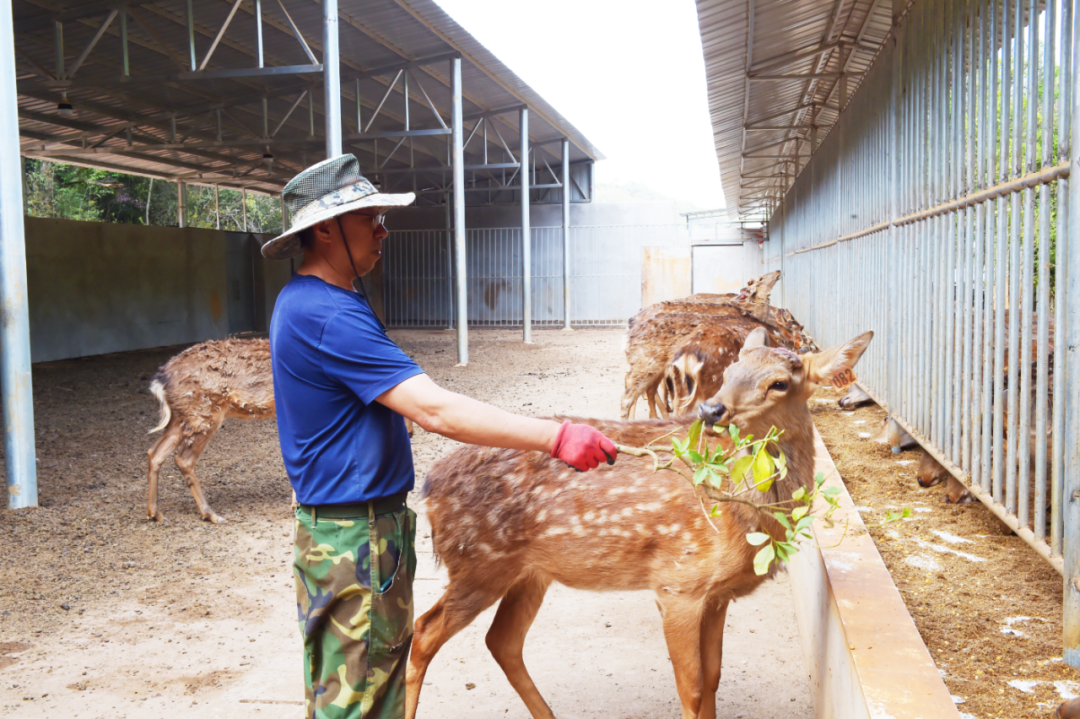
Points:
(757, 56)
(374, 34)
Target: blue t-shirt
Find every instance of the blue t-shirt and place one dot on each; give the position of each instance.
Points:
(331, 359)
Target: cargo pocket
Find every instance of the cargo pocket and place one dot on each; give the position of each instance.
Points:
(392, 601)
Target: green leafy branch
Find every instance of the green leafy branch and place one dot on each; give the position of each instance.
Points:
(736, 475)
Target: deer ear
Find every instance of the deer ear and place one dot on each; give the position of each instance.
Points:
(822, 366)
(758, 338)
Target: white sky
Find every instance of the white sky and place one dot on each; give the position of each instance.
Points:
(628, 74)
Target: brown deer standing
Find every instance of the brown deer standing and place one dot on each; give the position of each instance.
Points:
(751, 301)
(651, 346)
(508, 523)
(197, 389)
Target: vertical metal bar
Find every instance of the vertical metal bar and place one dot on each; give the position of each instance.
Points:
(16, 387)
(331, 79)
(217, 209)
(1057, 484)
(124, 40)
(1042, 440)
(359, 114)
(181, 211)
(1071, 495)
(58, 36)
(243, 208)
(1015, 270)
(565, 229)
(1002, 256)
(526, 239)
(259, 32)
(191, 34)
(458, 158)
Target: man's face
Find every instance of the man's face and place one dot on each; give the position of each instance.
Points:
(364, 237)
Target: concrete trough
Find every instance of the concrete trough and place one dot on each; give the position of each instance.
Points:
(864, 655)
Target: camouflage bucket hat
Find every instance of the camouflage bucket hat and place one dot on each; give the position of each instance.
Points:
(322, 192)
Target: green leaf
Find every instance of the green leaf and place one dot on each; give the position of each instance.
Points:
(799, 494)
(907, 512)
(781, 463)
(676, 447)
(733, 431)
(831, 491)
(699, 475)
(715, 511)
(715, 479)
(763, 471)
(763, 559)
(782, 518)
(742, 464)
(694, 434)
(819, 479)
(757, 538)
(782, 551)
(804, 523)
(799, 512)
(697, 459)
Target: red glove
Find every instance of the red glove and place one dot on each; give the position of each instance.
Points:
(582, 447)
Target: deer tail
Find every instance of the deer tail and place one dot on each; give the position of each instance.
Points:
(158, 390)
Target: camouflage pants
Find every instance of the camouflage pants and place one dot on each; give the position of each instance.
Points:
(354, 603)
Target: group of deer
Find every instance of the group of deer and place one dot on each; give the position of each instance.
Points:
(508, 523)
(678, 349)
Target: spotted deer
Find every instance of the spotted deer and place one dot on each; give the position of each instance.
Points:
(652, 345)
(750, 301)
(197, 390)
(508, 523)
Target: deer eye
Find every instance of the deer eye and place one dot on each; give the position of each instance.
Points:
(779, 386)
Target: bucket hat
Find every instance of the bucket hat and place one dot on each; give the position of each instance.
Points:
(322, 192)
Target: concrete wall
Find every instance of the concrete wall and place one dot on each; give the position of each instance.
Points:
(101, 287)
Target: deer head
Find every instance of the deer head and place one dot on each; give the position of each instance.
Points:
(769, 386)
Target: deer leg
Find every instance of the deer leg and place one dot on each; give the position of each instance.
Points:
(712, 650)
(454, 611)
(185, 459)
(506, 639)
(682, 632)
(157, 455)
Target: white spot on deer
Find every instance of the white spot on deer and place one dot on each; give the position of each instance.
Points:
(650, 507)
(589, 516)
(555, 531)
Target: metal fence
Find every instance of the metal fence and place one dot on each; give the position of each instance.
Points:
(605, 275)
(936, 214)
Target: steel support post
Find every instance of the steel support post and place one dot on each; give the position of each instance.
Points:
(332, 78)
(217, 209)
(458, 162)
(181, 210)
(243, 207)
(566, 231)
(1071, 493)
(526, 231)
(16, 387)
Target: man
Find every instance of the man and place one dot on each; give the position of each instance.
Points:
(342, 387)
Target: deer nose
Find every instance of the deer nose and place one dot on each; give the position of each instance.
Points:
(711, 413)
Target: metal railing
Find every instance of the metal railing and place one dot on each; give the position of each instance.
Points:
(936, 214)
(605, 275)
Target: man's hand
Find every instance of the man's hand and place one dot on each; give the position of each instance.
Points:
(582, 447)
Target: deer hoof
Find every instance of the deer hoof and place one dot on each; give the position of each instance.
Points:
(156, 517)
(212, 516)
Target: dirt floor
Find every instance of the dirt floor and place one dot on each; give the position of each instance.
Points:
(987, 606)
(103, 614)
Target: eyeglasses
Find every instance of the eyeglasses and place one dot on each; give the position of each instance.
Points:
(376, 220)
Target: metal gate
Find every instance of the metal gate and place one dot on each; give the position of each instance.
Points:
(936, 213)
(605, 275)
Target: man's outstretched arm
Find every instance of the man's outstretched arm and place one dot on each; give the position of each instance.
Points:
(468, 420)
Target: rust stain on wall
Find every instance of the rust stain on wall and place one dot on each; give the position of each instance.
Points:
(216, 306)
(665, 274)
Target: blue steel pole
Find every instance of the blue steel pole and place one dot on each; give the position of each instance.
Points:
(566, 231)
(458, 161)
(332, 78)
(526, 238)
(16, 388)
